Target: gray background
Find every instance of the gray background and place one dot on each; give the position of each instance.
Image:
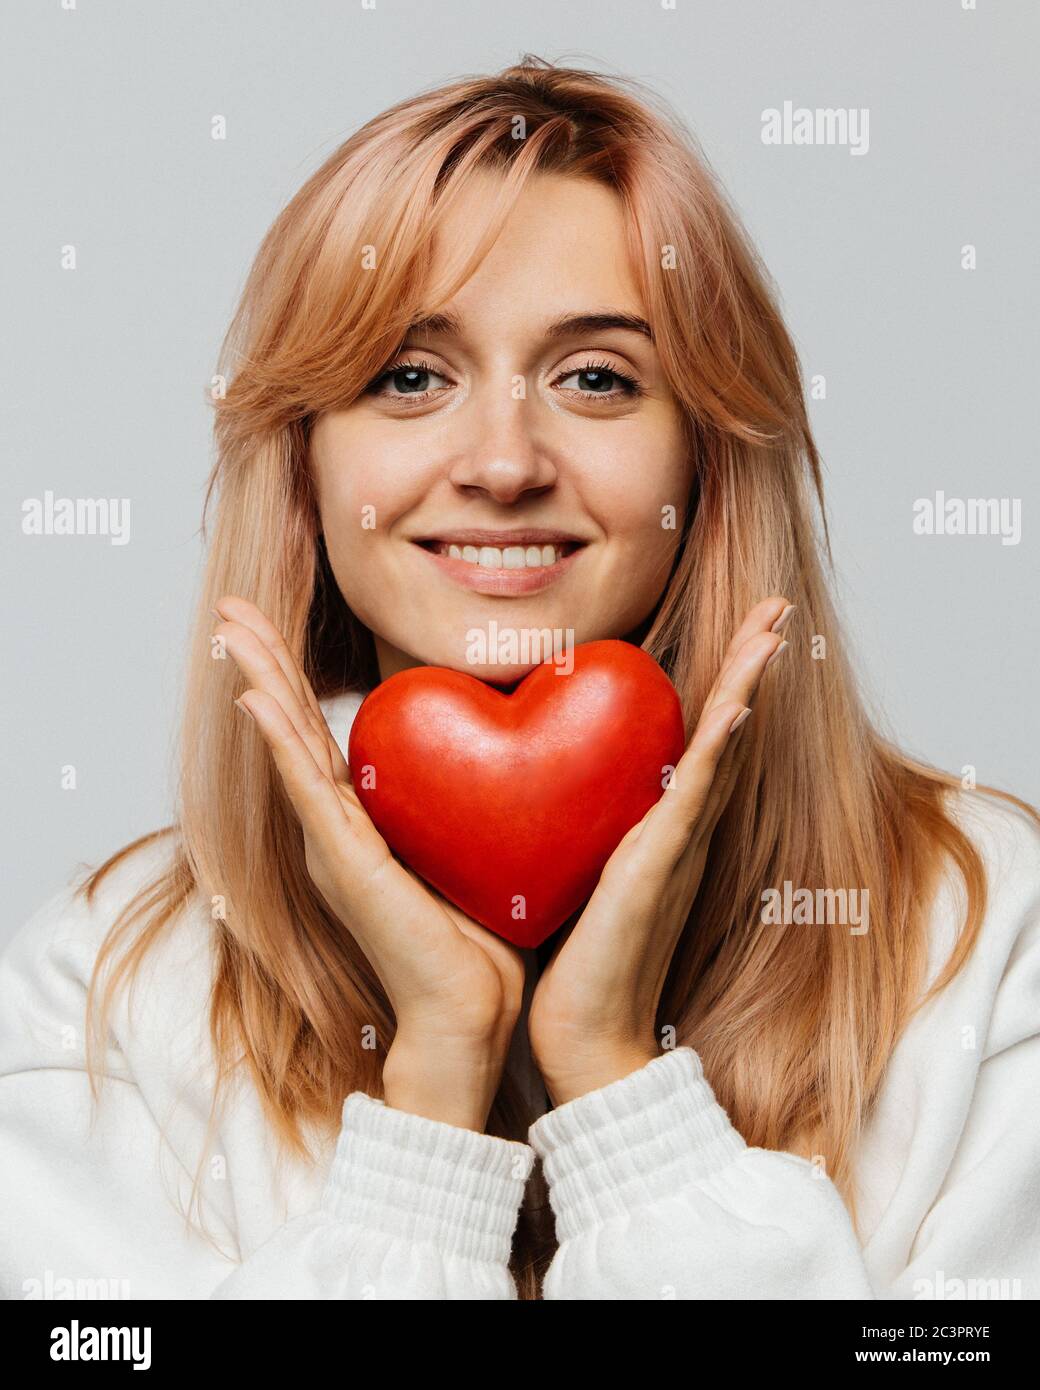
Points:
(931, 370)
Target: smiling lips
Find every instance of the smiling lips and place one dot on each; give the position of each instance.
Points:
(503, 562)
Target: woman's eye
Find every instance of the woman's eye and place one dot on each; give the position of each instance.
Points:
(600, 381)
(420, 380)
(409, 379)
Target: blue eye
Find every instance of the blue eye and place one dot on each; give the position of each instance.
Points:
(600, 379)
(418, 380)
(409, 379)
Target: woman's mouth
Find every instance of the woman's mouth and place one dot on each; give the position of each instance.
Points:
(506, 564)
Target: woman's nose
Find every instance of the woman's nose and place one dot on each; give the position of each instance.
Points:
(502, 459)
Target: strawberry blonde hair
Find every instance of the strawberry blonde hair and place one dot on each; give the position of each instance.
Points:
(794, 1028)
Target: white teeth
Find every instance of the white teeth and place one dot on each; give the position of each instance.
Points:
(512, 557)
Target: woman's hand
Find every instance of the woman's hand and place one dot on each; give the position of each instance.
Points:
(593, 1011)
(455, 988)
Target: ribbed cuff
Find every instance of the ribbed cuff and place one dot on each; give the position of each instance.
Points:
(420, 1180)
(639, 1139)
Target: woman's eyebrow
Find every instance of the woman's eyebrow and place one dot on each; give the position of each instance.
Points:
(570, 325)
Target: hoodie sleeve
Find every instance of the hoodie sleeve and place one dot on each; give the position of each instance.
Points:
(410, 1209)
(656, 1194)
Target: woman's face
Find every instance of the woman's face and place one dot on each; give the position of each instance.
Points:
(506, 477)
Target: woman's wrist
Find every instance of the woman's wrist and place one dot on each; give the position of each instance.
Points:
(584, 1074)
(450, 1080)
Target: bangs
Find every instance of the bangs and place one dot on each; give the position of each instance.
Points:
(396, 267)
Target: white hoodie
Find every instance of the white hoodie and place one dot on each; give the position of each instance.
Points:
(655, 1193)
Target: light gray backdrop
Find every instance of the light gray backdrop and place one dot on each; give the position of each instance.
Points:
(930, 368)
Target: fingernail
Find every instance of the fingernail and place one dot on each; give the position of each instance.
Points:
(245, 709)
(782, 648)
(783, 619)
(739, 720)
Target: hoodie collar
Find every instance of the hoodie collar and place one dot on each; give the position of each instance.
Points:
(339, 711)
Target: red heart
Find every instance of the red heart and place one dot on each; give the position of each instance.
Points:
(510, 805)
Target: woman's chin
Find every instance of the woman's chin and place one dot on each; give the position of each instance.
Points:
(504, 678)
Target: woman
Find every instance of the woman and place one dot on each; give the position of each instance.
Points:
(508, 356)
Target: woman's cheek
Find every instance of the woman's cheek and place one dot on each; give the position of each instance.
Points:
(648, 561)
(350, 539)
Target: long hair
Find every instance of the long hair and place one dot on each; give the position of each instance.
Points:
(794, 1027)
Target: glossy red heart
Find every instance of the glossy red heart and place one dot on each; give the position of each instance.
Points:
(511, 804)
